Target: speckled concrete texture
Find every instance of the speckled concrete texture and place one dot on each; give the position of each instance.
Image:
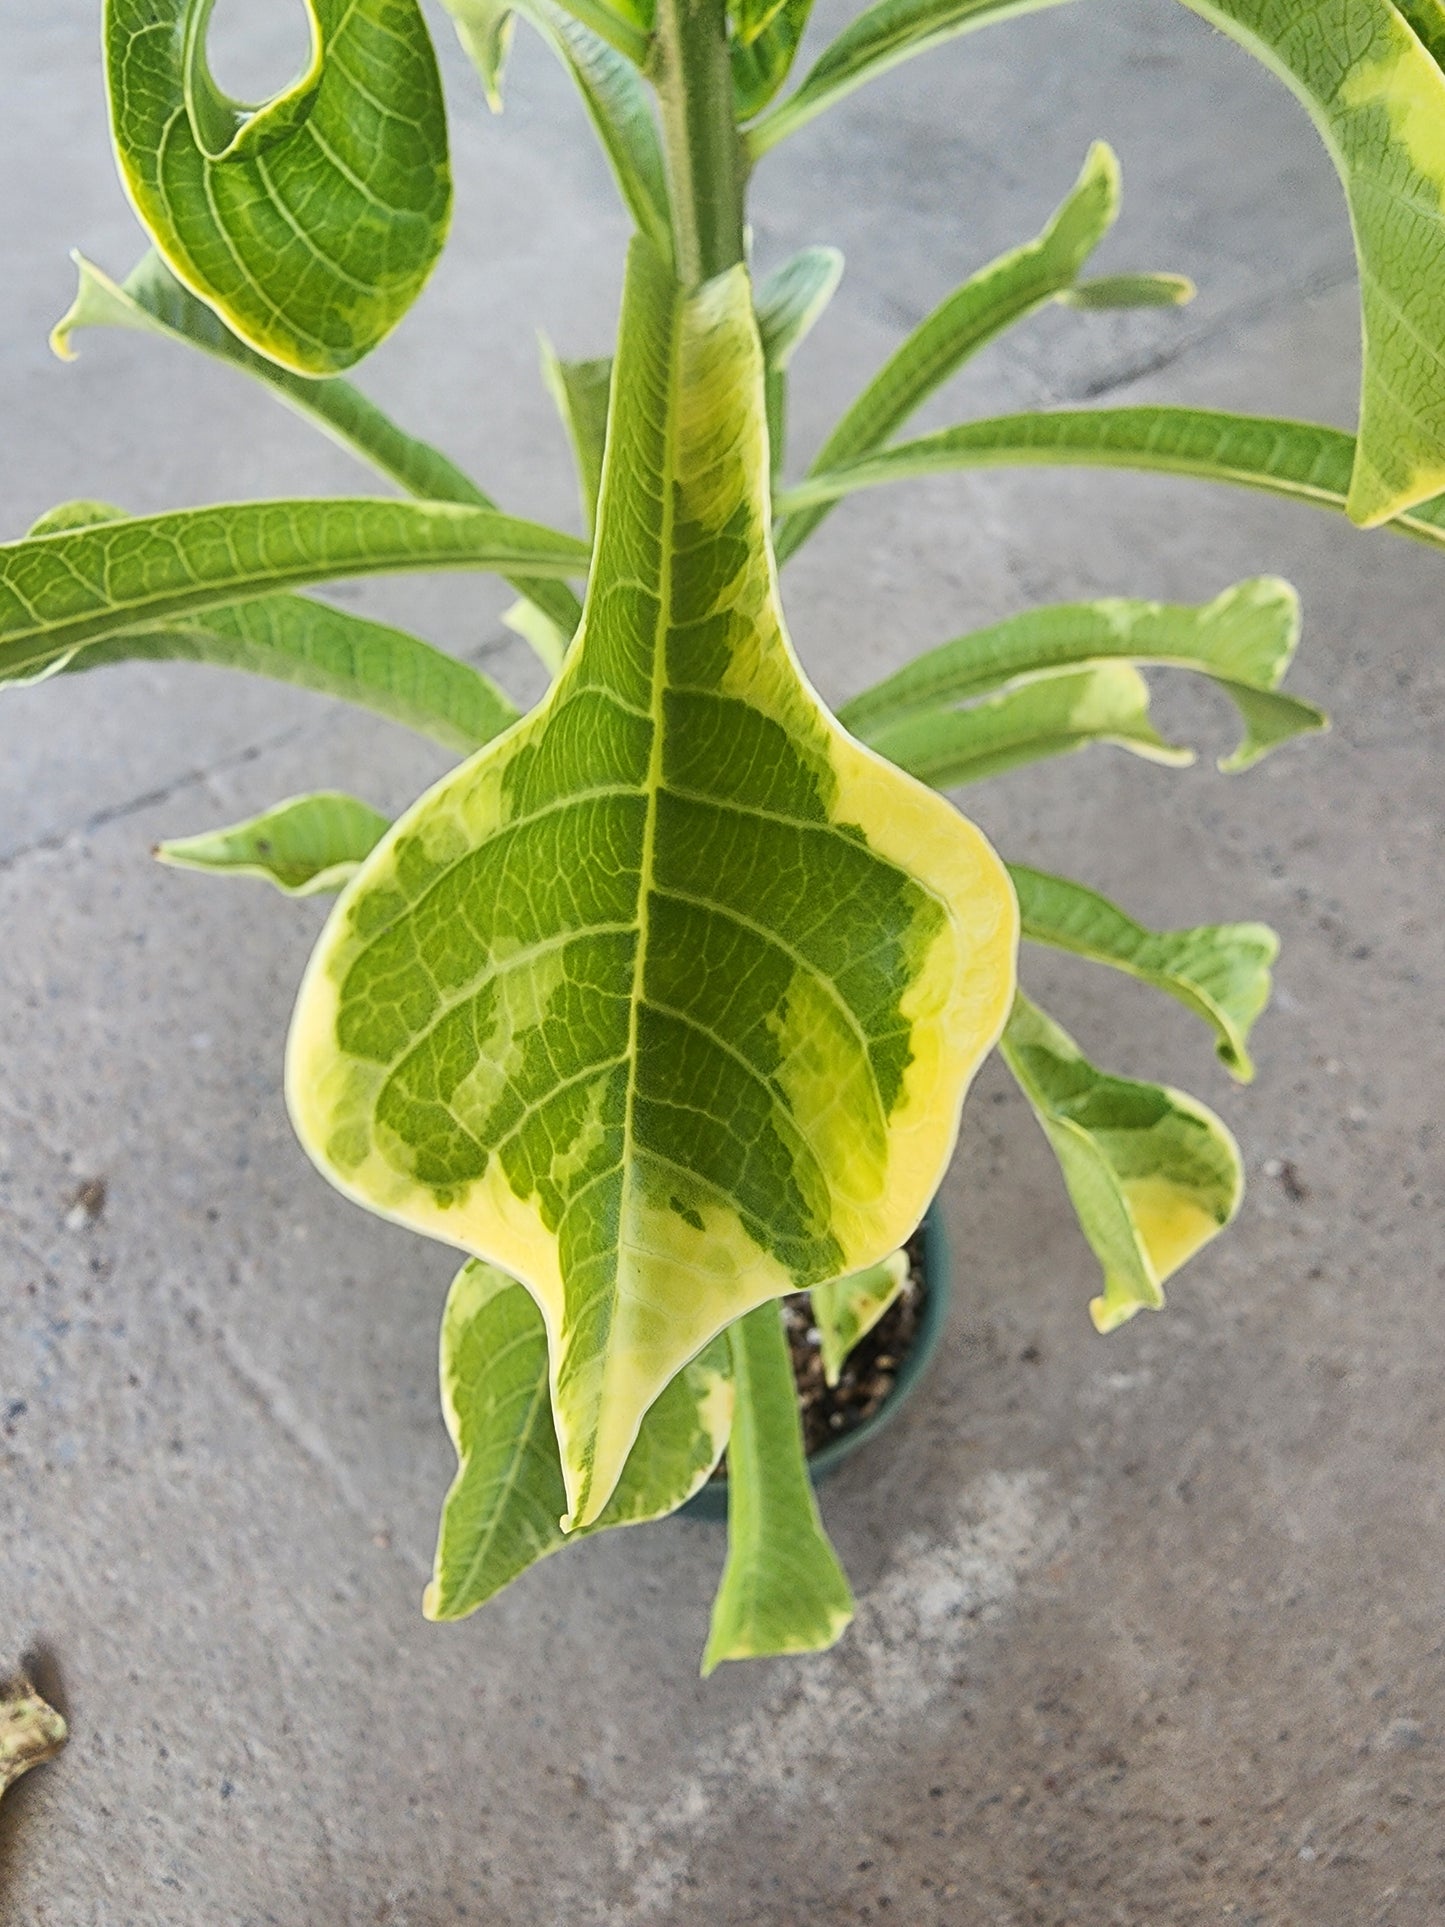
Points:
(1151, 1631)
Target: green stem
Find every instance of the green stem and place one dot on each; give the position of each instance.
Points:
(693, 74)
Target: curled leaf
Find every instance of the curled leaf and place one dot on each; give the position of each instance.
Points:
(1153, 1174)
(310, 222)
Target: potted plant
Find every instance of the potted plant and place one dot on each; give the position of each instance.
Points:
(662, 1004)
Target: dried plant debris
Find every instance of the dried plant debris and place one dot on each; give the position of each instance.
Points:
(31, 1732)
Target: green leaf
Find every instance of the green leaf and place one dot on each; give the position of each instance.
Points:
(152, 301)
(308, 644)
(782, 1589)
(536, 628)
(309, 223)
(787, 304)
(504, 1509)
(1302, 461)
(484, 28)
(617, 103)
(845, 1310)
(1220, 971)
(581, 389)
(307, 846)
(880, 37)
(1153, 1175)
(762, 58)
(84, 585)
(1049, 715)
(1243, 640)
(1378, 99)
(666, 1003)
(992, 300)
(791, 298)
(1129, 291)
(332, 653)
(31, 1731)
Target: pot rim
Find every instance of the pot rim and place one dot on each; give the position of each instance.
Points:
(710, 1501)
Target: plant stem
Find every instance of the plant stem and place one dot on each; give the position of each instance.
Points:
(693, 75)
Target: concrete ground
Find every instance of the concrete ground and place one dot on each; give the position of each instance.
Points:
(1151, 1627)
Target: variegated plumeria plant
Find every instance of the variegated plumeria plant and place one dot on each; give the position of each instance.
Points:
(663, 1003)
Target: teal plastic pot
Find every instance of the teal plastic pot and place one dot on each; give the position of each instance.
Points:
(712, 1501)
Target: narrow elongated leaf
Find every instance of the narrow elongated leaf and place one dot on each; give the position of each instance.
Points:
(1243, 640)
(504, 1510)
(791, 298)
(617, 102)
(1303, 461)
(1220, 971)
(666, 1003)
(308, 644)
(845, 1310)
(1049, 715)
(782, 1589)
(309, 223)
(581, 389)
(83, 585)
(1153, 1174)
(307, 846)
(484, 28)
(331, 652)
(152, 301)
(763, 58)
(1377, 96)
(1129, 291)
(880, 37)
(611, 87)
(992, 300)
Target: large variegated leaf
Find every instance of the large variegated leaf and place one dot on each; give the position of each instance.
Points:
(1014, 285)
(1048, 715)
(1244, 640)
(85, 584)
(310, 222)
(782, 1590)
(152, 301)
(1377, 95)
(307, 846)
(845, 1310)
(1153, 1174)
(1220, 971)
(1302, 461)
(504, 1510)
(665, 1003)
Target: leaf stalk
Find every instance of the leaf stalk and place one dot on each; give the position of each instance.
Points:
(693, 76)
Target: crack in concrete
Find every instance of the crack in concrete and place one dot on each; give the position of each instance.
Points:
(148, 799)
(271, 1398)
(1241, 317)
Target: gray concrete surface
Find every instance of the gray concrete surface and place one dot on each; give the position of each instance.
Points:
(1151, 1630)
